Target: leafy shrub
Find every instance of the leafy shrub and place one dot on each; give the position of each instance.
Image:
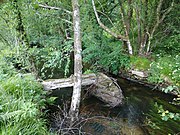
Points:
(173, 89)
(163, 118)
(165, 69)
(170, 45)
(21, 100)
(165, 114)
(109, 57)
(53, 59)
(155, 76)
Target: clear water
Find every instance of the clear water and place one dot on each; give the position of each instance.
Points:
(130, 118)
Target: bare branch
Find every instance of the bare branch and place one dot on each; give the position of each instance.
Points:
(121, 37)
(126, 24)
(138, 24)
(157, 16)
(54, 8)
(158, 20)
(67, 21)
(167, 12)
(107, 18)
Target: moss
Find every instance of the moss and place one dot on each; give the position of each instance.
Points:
(140, 63)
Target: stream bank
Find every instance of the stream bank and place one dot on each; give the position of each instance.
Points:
(142, 78)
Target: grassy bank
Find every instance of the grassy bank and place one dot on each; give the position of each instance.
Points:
(21, 103)
(160, 69)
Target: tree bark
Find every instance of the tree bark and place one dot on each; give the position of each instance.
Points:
(75, 102)
(126, 23)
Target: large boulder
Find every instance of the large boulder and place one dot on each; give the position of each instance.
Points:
(107, 90)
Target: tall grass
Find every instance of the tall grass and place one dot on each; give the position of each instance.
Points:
(20, 103)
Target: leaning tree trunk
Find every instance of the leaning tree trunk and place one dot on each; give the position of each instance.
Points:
(123, 38)
(75, 102)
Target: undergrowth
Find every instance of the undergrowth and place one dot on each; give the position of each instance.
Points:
(21, 103)
(165, 69)
(109, 57)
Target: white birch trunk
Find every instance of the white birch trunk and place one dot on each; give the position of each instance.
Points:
(130, 50)
(75, 102)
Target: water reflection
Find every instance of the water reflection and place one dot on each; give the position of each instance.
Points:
(128, 119)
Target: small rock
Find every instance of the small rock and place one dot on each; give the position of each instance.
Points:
(139, 73)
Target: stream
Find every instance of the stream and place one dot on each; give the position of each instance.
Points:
(137, 116)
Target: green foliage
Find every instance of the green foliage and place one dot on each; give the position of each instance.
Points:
(140, 63)
(155, 75)
(109, 57)
(168, 36)
(161, 117)
(47, 47)
(173, 89)
(88, 71)
(165, 69)
(21, 99)
(6, 69)
(165, 114)
(52, 60)
(20, 104)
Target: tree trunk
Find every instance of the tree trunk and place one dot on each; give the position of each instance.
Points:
(126, 23)
(125, 38)
(75, 102)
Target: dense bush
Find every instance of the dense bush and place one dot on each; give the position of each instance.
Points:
(20, 102)
(109, 57)
(165, 69)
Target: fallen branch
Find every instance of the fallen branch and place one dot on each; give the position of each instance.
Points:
(68, 82)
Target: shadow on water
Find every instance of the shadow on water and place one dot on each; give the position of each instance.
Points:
(131, 117)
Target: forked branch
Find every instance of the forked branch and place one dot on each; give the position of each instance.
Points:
(118, 36)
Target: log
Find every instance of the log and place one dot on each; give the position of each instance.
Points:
(104, 87)
(52, 84)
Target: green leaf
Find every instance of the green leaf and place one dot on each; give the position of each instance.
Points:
(36, 6)
(51, 100)
(165, 118)
(171, 115)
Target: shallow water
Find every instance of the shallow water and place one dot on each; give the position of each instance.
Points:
(130, 118)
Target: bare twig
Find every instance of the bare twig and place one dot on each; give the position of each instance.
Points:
(54, 8)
